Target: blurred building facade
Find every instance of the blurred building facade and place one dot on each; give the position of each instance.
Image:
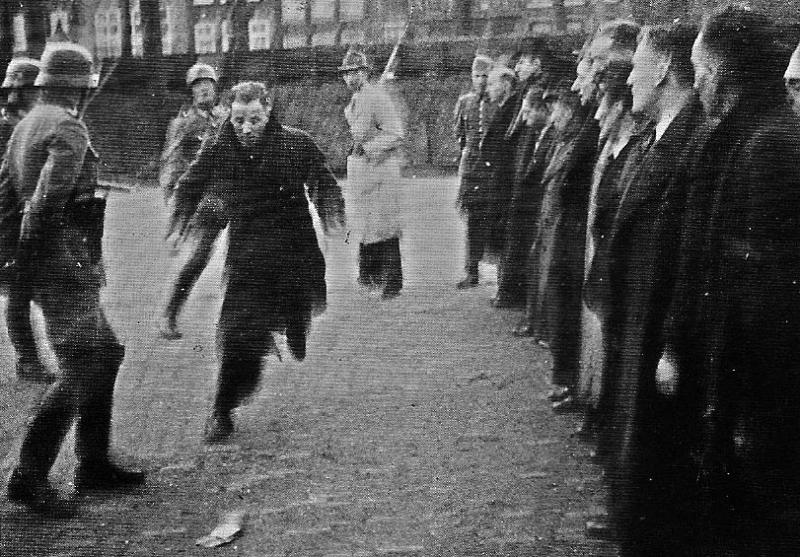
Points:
(215, 26)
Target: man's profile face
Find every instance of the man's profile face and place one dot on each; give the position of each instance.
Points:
(527, 66)
(249, 120)
(645, 77)
(793, 91)
(479, 82)
(706, 75)
(497, 88)
(204, 92)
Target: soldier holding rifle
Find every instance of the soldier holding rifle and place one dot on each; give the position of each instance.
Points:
(52, 168)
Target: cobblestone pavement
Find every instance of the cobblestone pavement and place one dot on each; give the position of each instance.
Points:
(415, 427)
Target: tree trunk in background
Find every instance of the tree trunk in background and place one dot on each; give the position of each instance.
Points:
(241, 13)
(559, 16)
(189, 12)
(6, 33)
(151, 28)
(36, 26)
(277, 25)
(126, 28)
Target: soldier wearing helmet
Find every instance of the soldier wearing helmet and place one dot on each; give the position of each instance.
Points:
(792, 80)
(52, 169)
(186, 133)
(20, 98)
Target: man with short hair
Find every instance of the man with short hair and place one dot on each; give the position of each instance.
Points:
(53, 170)
(483, 201)
(374, 176)
(566, 223)
(792, 80)
(632, 278)
(731, 340)
(260, 171)
(186, 133)
(21, 96)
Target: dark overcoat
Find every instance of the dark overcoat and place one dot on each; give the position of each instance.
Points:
(733, 322)
(523, 211)
(275, 269)
(633, 275)
(561, 238)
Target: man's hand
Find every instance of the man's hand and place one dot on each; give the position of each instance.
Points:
(667, 377)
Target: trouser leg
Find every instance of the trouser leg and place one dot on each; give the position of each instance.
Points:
(243, 341)
(392, 265)
(191, 271)
(566, 341)
(476, 242)
(367, 262)
(18, 321)
(93, 433)
(50, 424)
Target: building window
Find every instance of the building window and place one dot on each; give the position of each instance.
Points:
(20, 37)
(322, 10)
(202, 2)
(137, 42)
(294, 11)
(108, 39)
(225, 34)
(59, 17)
(205, 37)
(351, 10)
(260, 32)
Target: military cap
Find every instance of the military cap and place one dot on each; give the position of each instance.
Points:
(354, 60)
(482, 64)
(200, 71)
(793, 71)
(66, 64)
(21, 72)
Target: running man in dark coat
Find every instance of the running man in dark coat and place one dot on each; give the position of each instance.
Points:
(275, 270)
(53, 170)
(732, 346)
(21, 96)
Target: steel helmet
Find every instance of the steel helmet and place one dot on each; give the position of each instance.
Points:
(354, 60)
(200, 71)
(66, 64)
(21, 72)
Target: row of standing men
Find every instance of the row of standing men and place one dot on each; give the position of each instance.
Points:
(647, 216)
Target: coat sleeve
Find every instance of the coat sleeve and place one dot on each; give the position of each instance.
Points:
(459, 128)
(388, 120)
(323, 190)
(66, 149)
(192, 185)
(171, 166)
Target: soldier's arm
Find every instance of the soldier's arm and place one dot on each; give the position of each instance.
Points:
(193, 184)
(66, 150)
(389, 121)
(323, 189)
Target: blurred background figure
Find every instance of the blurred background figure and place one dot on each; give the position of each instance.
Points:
(21, 94)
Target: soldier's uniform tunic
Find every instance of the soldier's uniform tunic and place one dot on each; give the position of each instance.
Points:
(52, 165)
